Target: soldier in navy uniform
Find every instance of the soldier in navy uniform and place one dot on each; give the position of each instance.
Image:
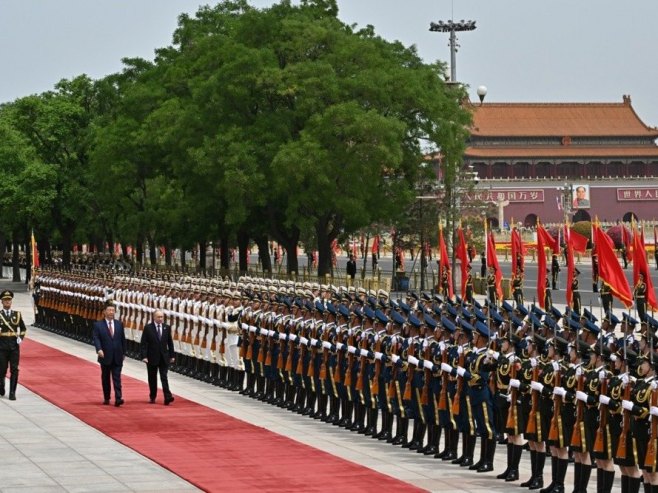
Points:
(446, 421)
(12, 332)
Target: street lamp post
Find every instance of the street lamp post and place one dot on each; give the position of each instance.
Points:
(452, 27)
(566, 193)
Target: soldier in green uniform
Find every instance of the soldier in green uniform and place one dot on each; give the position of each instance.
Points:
(12, 332)
(639, 295)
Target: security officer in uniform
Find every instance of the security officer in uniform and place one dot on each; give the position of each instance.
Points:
(575, 293)
(555, 269)
(491, 286)
(12, 332)
(640, 295)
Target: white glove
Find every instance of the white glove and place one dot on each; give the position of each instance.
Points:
(283, 336)
(442, 346)
(413, 360)
(460, 350)
(556, 366)
(339, 345)
(579, 371)
(624, 378)
(604, 399)
(653, 410)
(394, 358)
(270, 333)
(514, 383)
(460, 371)
(428, 364)
(602, 375)
(654, 385)
(364, 352)
(351, 349)
(536, 386)
(559, 391)
(378, 355)
(581, 396)
(446, 367)
(613, 357)
(326, 344)
(304, 341)
(533, 362)
(628, 405)
(314, 342)
(508, 398)
(493, 354)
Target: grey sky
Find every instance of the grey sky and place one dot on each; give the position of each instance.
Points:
(523, 50)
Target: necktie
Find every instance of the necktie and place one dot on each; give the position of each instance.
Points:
(110, 326)
(159, 331)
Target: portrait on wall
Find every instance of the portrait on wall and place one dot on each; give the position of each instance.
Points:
(580, 194)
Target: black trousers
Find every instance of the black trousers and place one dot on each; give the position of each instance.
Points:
(113, 371)
(10, 355)
(153, 370)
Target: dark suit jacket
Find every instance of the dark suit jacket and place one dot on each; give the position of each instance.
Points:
(155, 350)
(113, 347)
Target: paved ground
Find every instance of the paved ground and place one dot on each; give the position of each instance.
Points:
(45, 449)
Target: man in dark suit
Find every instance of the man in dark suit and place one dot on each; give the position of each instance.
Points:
(110, 343)
(157, 352)
(351, 268)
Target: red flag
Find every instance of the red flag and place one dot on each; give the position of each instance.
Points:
(609, 269)
(568, 248)
(517, 250)
(35, 253)
(548, 240)
(492, 261)
(541, 265)
(462, 254)
(640, 266)
(444, 263)
(578, 242)
(375, 244)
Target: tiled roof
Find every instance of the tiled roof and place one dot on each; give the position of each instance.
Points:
(559, 119)
(561, 152)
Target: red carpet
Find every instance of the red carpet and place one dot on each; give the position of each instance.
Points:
(210, 449)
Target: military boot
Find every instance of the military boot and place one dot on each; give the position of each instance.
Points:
(13, 383)
(401, 431)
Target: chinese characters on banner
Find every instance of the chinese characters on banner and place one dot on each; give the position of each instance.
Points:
(630, 194)
(506, 195)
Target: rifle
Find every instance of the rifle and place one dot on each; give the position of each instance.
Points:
(325, 353)
(424, 398)
(362, 362)
(531, 427)
(460, 386)
(310, 371)
(270, 344)
(650, 459)
(511, 412)
(394, 378)
(282, 345)
(579, 426)
(603, 421)
(410, 374)
(252, 337)
(302, 353)
(626, 425)
(443, 396)
(378, 368)
(553, 433)
(350, 362)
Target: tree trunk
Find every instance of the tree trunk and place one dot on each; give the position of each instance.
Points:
(152, 257)
(124, 250)
(16, 269)
(290, 245)
(324, 237)
(182, 258)
(168, 255)
(28, 262)
(243, 251)
(139, 252)
(264, 253)
(224, 254)
(3, 249)
(67, 235)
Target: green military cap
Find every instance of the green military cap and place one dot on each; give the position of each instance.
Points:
(7, 295)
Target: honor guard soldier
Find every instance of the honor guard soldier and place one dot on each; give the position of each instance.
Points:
(469, 287)
(639, 295)
(555, 270)
(517, 288)
(595, 272)
(548, 296)
(606, 297)
(575, 293)
(12, 332)
(491, 286)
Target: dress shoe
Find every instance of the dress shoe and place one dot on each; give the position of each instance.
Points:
(458, 461)
(106, 402)
(168, 400)
(119, 402)
(468, 462)
(536, 483)
(527, 483)
(513, 475)
(152, 400)
(12, 396)
(2, 390)
(450, 456)
(476, 466)
(503, 475)
(486, 467)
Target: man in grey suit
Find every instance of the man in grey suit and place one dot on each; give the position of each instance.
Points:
(157, 348)
(110, 343)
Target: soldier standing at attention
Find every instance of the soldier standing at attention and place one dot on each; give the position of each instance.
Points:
(555, 269)
(12, 332)
(575, 293)
(639, 294)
